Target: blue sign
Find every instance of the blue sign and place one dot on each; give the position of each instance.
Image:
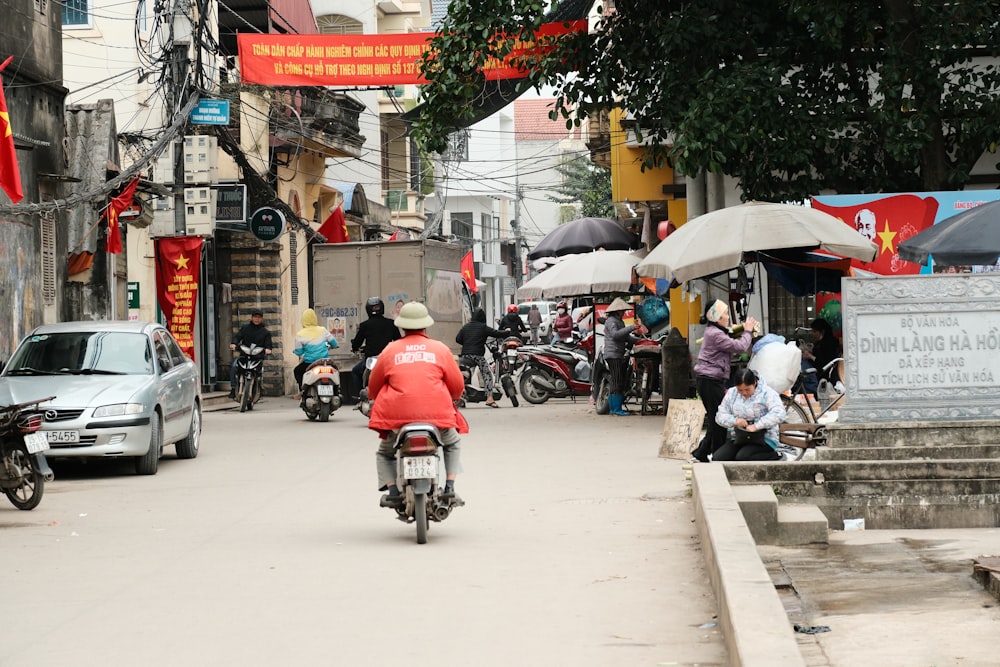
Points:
(211, 112)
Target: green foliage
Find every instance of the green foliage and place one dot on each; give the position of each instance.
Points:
(790, 97)
(585, 183)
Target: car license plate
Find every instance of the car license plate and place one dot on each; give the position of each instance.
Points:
(420, 467)
(324, 389)
(35, 442)
(62, 436)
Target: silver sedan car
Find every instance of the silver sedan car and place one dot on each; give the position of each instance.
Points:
(122, 389)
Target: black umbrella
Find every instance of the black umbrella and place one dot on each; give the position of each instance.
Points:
(584, 235)
(971, 238)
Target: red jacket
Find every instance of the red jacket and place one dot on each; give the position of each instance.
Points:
(416, 379)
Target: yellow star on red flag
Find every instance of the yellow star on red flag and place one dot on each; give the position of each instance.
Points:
(886, 235)
(181, 262)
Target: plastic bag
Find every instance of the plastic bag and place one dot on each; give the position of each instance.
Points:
(653, 311)
(767, 339)
(778, 365)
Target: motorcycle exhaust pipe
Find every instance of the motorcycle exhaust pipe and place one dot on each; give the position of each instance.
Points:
(441, 512)
(336, 402)
(543, 383)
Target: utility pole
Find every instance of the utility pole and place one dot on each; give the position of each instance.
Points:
(179, 46)
(515, 226)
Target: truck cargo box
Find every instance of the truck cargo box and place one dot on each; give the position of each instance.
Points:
(345, 275)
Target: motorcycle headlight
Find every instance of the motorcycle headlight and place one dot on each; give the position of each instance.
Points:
(118, 409)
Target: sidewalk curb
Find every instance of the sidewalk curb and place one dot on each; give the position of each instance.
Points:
(753, 620)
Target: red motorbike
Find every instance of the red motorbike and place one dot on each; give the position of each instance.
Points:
(555, 371)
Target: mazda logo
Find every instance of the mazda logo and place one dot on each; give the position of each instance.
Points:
(50, 415)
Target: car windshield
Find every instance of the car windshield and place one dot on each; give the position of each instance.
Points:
(83, 353)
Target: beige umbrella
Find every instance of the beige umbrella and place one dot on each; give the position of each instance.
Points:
(600, 272)
(715, 242)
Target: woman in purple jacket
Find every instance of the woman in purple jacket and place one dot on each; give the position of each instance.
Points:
(713, 369)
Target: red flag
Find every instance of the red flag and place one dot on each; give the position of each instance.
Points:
(335, 227)
(887, 221)
(395, 235)
(117, 205)
(10, 177)
(469, 272)
(178, 262)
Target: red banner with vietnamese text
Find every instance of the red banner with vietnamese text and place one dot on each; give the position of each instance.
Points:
(369, 60)
(178, 261)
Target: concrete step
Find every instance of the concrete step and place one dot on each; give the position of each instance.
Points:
(986, 570)
(760, 511)
(772, 523)
(216, 400)
(801, 524)
(909, 452)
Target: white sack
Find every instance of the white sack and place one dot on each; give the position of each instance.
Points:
(778, 365)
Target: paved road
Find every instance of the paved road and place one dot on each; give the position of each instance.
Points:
(577, 547)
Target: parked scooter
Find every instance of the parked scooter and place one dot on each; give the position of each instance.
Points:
(419, 473)
(23, 468)
(320, 390)
(472, 393)
(556, 371)
(249, 375)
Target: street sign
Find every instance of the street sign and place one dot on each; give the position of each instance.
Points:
(267, 223)
(231, 205)
(211, 112)
(133, 294)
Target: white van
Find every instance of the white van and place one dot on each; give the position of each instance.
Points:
(548, 311)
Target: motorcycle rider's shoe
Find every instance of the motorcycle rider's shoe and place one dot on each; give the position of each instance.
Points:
(449, 496)
(393, 501)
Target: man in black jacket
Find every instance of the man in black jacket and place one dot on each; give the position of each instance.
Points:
(252, 333)
(472, 337)
(373, 335)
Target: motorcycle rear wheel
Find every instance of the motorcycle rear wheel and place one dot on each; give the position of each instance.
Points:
(508, 388)
(324, 412)
(531, 392)
(602, 405)
(29, 494)
(420, 516)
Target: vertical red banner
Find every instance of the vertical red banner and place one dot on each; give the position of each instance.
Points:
(178, 261)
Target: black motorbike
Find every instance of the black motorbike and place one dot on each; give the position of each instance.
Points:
(23, 468)
(249, 376)
(506, 361)
(472, 393)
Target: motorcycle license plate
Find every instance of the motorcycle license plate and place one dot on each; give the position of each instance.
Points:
(35, 442)
(324, 389)
(420, 467)
(62, 436)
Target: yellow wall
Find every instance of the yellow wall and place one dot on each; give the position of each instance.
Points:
(630, 183)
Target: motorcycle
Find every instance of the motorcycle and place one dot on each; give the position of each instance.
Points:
(556, 371)
(642, 363)
(23, 468)
(506, 362)
(249, 375)
(364, 402)
(320, 390)
(419, 471)
(472, 393)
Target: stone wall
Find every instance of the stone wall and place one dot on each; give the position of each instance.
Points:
(922, 348)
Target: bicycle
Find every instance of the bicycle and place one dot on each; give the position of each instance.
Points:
(802, 430)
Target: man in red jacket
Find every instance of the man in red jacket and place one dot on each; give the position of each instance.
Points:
(416, 379)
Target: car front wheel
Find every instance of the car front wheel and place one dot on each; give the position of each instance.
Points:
(150, 461)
